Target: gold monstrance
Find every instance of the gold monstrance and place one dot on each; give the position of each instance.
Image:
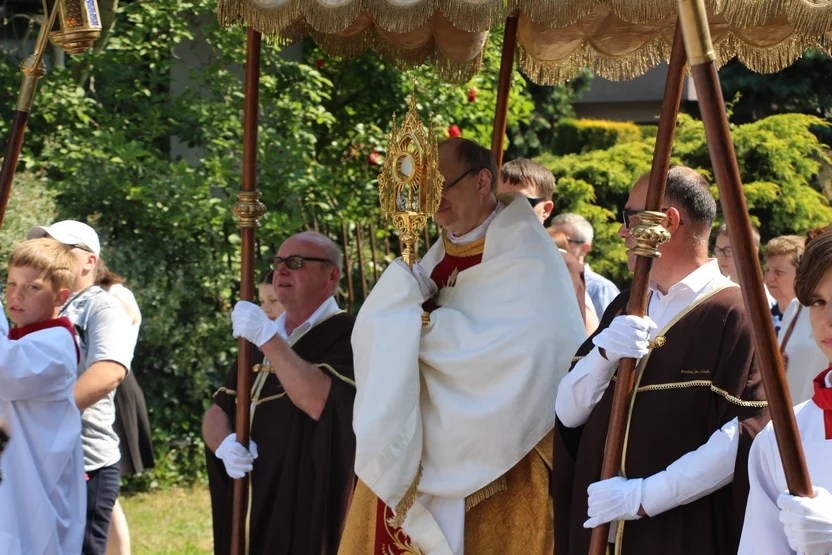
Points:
(410, 185)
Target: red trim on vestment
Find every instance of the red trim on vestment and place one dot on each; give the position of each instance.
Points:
(62, 322)
(823, 399)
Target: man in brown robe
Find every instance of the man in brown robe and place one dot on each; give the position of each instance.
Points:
(303, 448)
(697, 404)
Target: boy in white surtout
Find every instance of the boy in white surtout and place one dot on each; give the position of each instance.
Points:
(42, 495)
(776, 522)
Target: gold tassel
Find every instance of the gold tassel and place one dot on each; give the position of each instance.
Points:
(497, 486)
(403, 506)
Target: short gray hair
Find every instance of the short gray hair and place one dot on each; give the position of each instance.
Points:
(579, 224)
(333, 252)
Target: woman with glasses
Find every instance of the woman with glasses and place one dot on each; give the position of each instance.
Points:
(776, 522)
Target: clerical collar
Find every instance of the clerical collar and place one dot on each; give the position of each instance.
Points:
(478, 232)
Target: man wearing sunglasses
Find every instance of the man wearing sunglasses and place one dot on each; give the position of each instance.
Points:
(302, 446)
(457, 362)
(698, 399)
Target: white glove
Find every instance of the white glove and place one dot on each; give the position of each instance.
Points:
(614, 499)
(808, 522)
(426, 285)
(626, 337)
(249, 321)
(237, 459)
(4, 323)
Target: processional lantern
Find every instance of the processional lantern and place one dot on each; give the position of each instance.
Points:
(79, 25)
(410, 185)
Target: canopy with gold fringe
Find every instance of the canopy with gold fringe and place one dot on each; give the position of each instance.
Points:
(617, 39)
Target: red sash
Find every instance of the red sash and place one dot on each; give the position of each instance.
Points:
(823, 399)
(62, 322)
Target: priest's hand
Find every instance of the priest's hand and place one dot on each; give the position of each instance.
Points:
(237, 459)
(426, 285)
(249, 321)
(626, 337)
(614, 499)
(808, 522)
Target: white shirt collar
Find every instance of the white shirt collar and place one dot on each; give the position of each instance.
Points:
(694, 281)
(327, 309)
(479, 231)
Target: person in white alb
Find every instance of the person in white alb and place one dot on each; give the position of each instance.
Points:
(697, 400)
(103, 335)
(776, 522)
(42, 495)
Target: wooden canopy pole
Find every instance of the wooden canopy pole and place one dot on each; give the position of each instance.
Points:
(248, 210)
(637, 305)
(694, 20)
(503, 89)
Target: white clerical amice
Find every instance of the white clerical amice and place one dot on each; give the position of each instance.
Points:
(465, 398)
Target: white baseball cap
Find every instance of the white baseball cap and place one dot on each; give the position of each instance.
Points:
(69, 232)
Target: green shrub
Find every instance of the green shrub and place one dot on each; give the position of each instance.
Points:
(585, 135)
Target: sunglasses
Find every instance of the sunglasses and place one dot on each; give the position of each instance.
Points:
(534, 201)
(82, 246)
(458, 179)
(628, 213)
(296, 261)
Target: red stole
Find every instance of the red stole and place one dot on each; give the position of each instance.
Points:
(62, 322)
(823, 399)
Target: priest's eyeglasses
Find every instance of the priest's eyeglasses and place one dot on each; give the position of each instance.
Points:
(296, 261)
(725, 252)
(630, 217)
(458, 179)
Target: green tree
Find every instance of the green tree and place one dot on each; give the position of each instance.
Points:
(779, 159)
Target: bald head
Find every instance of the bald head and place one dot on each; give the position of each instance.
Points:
(329, 249)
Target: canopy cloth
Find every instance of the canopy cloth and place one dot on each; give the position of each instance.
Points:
(617, 39)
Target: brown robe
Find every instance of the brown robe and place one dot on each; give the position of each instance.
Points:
(303, 478)
(700, 378)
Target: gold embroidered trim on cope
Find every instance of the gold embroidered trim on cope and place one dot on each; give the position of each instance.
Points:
(658, 342)
(403, 506)
(335, 373)
(462, 251)
(497, 486)
(575, 359)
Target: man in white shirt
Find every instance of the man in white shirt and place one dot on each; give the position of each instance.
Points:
(697, 403)
(302, 445)
(579, 235)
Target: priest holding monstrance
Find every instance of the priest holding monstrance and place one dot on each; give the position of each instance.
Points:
(457, 361)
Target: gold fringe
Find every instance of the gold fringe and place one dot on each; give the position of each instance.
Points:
(809, 18)
(743, 14)
(329, 18)
(457, 73)
(474, 15)
(643, 12)
(497, 486)
(403, 506)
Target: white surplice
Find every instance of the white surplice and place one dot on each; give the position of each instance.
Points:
(43, 499)
(762, 532)
(472, 393)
